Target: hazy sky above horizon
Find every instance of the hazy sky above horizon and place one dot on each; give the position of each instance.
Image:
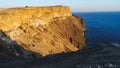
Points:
(75, 5)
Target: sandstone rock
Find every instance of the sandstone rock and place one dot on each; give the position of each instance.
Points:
(44, 30)
(9, 49)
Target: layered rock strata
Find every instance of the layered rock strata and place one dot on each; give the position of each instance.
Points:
(44, 30)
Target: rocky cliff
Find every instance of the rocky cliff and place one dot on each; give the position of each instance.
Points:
(44, 30)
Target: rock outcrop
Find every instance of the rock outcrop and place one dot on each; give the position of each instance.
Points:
(44, 30)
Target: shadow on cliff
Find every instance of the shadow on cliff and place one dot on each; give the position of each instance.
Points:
(13, 55)
(9, 49)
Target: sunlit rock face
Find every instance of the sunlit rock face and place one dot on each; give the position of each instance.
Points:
(44, 30)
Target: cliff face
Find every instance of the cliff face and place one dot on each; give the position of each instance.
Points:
(44, 30)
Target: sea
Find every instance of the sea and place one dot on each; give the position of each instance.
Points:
(102, 27)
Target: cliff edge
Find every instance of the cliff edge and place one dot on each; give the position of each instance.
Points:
(44, 30)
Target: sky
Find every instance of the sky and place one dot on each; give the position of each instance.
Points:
(75, 5)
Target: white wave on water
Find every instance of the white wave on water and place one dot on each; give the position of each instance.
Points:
(115, 44)
(110, 44)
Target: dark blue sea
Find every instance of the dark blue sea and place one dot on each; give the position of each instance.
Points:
(102, 27)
